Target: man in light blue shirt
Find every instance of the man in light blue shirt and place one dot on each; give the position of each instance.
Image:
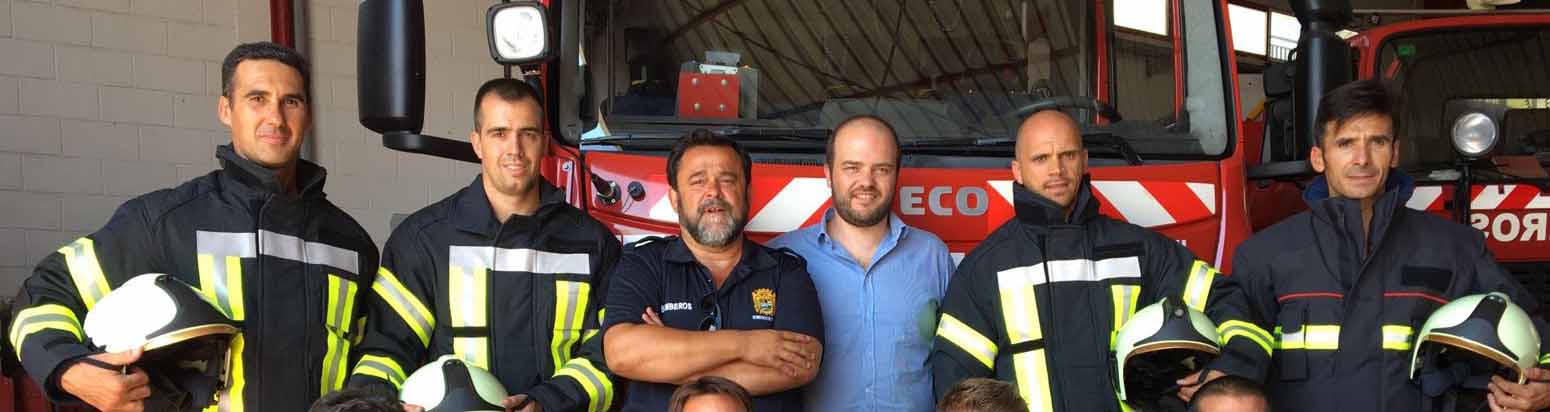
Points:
(879, 281)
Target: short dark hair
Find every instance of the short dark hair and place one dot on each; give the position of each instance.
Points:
(702, 137)
(1352, 100)
(263, 51)
(508, 89)
(710, 385)
(828, 150)
(1230, 385)
(355, 400)
(982, 395)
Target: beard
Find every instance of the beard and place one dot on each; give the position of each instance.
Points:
(861, 217)
(716, 231)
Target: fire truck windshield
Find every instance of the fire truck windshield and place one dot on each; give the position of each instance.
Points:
(936, 70)
(1497, 71)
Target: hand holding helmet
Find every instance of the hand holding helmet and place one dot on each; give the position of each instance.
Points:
(166, 348)
(1159, 347)
(109, 389)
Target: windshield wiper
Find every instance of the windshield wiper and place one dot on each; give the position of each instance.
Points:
(1103, 139)
(740, 133)
(779, 133)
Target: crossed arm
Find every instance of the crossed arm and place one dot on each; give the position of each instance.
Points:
(763, 361)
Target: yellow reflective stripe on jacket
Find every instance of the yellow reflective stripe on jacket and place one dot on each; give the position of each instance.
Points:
(85, 271)
(230, 398)
(381, 367)
(1397, 337)
(1237, 328)
(341, 311)
(220, 279)
(1544, 359)
(570, 309)
(1198, 288)
(1327, 337)
(600, 391)
(409, 308)
(1124, 298)
(38, 318)
(1311, 337)
(467, 289)
(968, 340)
(1020, 312)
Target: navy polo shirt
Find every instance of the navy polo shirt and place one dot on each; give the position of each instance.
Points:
(768, 289)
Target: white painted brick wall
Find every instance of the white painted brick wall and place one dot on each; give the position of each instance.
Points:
(100, 140)
(176, 146)
(8, 96)
(104, 100)
(43, 22)
(87, 213)
(58, 98)
(10, 171)
(136, 177)
(121, 6)
(53, 174)
(96, 66)
(26, 58)
(29, 134)
(30, 210)
(180, 10)
(169, 74)
(5, 18)
(13, 250)
(121, 104)
(131, 33)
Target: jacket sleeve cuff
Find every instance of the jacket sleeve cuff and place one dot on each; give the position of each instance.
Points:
(56, 362)
(555, 394)
(373, 385)
(1243, 359)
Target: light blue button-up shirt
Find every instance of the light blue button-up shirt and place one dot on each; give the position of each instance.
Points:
(879, 321)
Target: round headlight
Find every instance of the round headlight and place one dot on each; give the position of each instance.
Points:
(1474, 134)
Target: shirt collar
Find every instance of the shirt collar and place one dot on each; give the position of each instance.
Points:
(754, 257)
(895, 228)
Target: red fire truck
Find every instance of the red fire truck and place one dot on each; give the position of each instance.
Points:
(1475, 113)
(624, 79)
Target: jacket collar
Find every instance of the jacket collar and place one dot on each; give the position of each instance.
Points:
(309, 176)
(472, 211)
(1036, 210)
(1345, 214)
(755, 257)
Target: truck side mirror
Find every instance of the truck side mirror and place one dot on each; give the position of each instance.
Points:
(390, 60)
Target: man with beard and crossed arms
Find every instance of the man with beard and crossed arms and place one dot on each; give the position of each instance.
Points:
(712, 302)
(879, 280)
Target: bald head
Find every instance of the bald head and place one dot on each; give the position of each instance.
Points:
(1050, 160)
(1046, 126)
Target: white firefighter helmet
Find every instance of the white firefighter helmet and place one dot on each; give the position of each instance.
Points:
(1158, 345)
(154, 311)
(1486, 331)
(449, 385)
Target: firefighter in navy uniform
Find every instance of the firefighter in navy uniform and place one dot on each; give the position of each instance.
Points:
(1038, 302)
(1348, 283)
(504, 274)
(712, 302)
(257, 237)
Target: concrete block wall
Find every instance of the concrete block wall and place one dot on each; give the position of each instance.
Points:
(103, 100)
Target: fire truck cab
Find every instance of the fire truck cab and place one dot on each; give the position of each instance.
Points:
(1474, 113)
(1156, 101)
